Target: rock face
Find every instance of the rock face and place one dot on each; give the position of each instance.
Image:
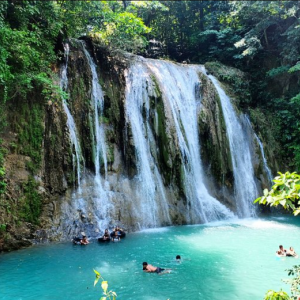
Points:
(40, 167)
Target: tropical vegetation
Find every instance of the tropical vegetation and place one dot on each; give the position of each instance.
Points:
(259, 37)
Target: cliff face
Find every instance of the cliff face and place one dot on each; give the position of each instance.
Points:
(43, 200)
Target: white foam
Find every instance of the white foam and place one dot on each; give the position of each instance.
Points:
(155, 230)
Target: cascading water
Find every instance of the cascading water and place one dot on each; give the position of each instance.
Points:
(266, 167)
(154, 90)
(98, 104)
(138, 87)
(101, 197)
(70, 121)
(178, 85)
(244, 181)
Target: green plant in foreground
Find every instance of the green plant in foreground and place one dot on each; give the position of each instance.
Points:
(110, 295)
(281, 295)
(294, 282)
(285, 192)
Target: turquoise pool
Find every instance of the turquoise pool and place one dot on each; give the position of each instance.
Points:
(230, 260)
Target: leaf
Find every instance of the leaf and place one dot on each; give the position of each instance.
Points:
(257, 200)
(283, 202)
(96, 280)
(296, 212)
(104, 286)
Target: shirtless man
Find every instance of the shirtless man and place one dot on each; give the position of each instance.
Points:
(151, 269)
(84, 241)
(281, 251)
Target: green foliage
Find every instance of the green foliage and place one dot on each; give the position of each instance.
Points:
(31, 203)
(285, 192)
(2, 171)
(27, 37)
(272, 295)
(295, 68)
(29, 31)
(260, 37)
(30, 131)
(124, 31)
(236, 79)
(106, 21)
(104, 285)
(294, 282)
(277, 71)
(2, 228)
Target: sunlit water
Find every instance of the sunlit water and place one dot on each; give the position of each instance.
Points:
(224, 260)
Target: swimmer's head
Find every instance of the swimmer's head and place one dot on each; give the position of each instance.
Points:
(178, 257)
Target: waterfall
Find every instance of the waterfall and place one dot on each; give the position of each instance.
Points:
(244, 181)
(97, 103)
(266, 167)
(70, 121)
(178, 85)
(148, 209)
(100, 198)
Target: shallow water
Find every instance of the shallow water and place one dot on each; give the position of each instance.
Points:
(223, 260)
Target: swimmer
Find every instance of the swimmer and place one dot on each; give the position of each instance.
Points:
(178, 259)
(84, 241)
(151, 269)
(281, 251)
(291, 252)
(106, 235)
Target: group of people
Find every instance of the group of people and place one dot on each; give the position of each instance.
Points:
(151, 269)
(284, 252)
(115, 235)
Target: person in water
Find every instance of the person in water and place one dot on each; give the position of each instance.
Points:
(106, 235)
(151, 269)
(178, 258)
(281, 251)
(291, 252)
(116, 235)
(84, 241)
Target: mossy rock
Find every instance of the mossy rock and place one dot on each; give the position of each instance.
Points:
(237, 82)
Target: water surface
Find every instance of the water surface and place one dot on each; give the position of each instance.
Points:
(229, 260)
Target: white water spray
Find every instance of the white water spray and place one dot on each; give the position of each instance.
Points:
(138, 88)
(100, 198)
(178, 85)
(266, 167)
(70, 121)
(98, 104)
(244, 181)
